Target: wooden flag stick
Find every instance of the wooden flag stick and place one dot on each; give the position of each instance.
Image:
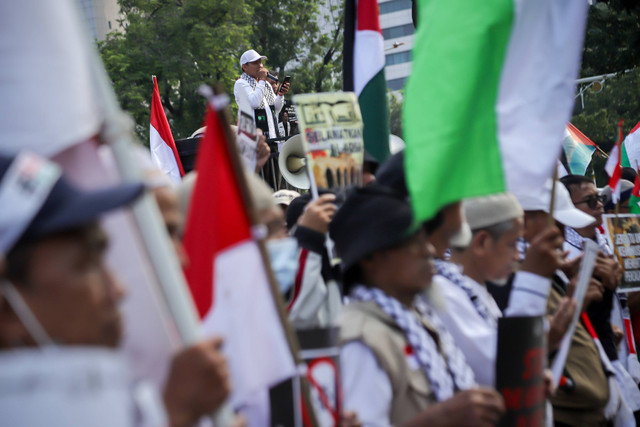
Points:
(292, 340)
(552, 203)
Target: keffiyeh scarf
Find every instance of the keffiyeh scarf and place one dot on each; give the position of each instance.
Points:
(447, 374)
(452, 273)
(269, 95)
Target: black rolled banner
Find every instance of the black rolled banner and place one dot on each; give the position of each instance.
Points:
(520, 364)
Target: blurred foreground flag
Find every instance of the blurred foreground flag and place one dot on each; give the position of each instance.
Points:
(226, 272)
(363, 71)
(578, 149)
(49, 101)
(490, 93)
(164, 152)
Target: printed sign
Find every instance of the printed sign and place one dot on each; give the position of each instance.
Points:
(623, 235)
(331, 126)
(520, 366)
(246, 137)
(319, 348)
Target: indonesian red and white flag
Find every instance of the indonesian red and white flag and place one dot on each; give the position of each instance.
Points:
(613, 167)
(164, 152)
(227, 275)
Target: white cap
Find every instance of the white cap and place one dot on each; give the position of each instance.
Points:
(564, 210)
(250, 56)
(284, 197)
(490, 210)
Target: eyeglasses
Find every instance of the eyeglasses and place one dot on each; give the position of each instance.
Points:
(592, 201)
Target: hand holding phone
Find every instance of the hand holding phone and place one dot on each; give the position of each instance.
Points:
(282, 89)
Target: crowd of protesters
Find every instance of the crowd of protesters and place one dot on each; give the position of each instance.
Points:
(417, 304)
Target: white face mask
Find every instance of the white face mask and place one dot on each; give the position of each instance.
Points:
(283, 254)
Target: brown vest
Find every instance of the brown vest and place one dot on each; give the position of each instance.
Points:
(584, 405)
(366, 322)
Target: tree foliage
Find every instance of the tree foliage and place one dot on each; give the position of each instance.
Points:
(395, 113)
(189, 42)
(184, 43)
(612, 45)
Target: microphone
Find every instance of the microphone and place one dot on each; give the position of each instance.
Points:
(272, 77)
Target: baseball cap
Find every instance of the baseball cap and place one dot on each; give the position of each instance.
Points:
(564, 210)
(490, 210)
(39, 201)
(250, 56)
(284, 197)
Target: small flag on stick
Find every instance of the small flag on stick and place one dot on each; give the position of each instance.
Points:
(164, 152)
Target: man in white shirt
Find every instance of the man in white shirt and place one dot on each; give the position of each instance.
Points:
(253, 93)
(470, 313)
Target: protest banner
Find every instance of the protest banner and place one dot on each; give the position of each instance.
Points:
(520, 375)
(623, 235)
(247, 135)
(584, 276)
(331, 126)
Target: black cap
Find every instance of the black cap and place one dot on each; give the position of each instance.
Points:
(66, 207)
(372, 218)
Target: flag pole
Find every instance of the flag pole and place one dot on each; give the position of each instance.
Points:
(117, 131)
(552, 203)
(238, 170)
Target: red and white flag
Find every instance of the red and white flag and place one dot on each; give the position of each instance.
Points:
(613, 167)
(164, 152)
(227, 275)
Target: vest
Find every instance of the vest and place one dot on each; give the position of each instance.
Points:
(584, 405)
(367, 323)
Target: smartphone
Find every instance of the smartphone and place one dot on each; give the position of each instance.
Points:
(287, 79)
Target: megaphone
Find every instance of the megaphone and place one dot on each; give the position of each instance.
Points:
(292, 163)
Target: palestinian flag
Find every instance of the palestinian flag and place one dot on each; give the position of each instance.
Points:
(631, 148)
(363, 71)
(490, 93)
(634, 201)
(578, 150)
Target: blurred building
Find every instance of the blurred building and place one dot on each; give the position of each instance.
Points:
(102, 16)
(398, 32)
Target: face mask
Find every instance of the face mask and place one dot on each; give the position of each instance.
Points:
(283, 254)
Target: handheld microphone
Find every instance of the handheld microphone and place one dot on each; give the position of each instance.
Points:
(272, 77)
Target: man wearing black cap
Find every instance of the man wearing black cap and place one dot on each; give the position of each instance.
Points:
(399, 365)
(59, 294)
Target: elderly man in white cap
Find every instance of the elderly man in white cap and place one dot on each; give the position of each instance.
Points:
(470, 312)
(253, 93)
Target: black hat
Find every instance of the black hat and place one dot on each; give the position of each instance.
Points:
(391, 174)
(63, 207)
(372, 218)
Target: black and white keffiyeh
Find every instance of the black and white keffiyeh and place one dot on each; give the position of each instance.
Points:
(447, 374)
(574, 238)
(452, 273)
(269, 95)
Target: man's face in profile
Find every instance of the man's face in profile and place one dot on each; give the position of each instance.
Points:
(70, 290)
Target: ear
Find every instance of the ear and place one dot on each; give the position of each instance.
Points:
(480, 243)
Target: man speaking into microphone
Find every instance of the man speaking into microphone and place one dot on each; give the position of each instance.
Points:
(262, 99)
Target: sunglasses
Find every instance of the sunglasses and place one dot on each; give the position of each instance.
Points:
(592, 201)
